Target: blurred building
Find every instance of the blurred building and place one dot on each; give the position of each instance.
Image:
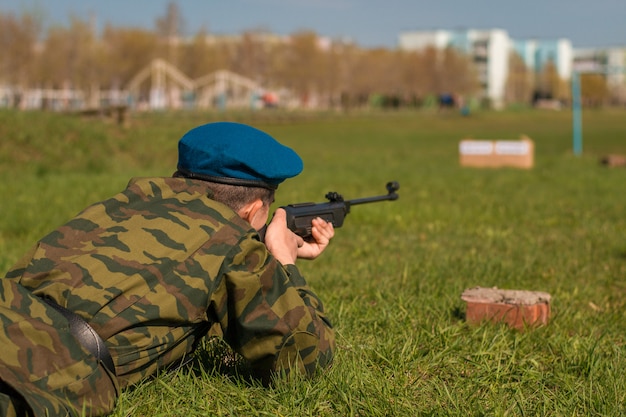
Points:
(490, 51)
(610, 63)
(536, 54)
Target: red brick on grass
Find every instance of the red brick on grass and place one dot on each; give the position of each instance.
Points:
(614, 160)
(517, 308)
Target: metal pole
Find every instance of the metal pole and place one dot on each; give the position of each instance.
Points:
(577, 115)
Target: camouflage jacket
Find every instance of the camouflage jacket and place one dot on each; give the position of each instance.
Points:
(154, 267)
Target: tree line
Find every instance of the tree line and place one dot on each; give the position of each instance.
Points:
(337, 73)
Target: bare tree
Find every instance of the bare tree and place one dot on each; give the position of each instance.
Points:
(549, 84)
(201, 57)
(126, 52)
(251, 55)
(519, 81)
(459, 73)
(18, 38)
(169, 29)
(300, 63)
(70, 56)
(594, 90)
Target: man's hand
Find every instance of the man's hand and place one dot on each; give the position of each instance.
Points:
(322, 231)
(286, 246)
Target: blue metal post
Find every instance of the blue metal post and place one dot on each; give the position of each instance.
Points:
(577, 115)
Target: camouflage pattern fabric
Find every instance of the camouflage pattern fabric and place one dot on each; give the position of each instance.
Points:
(41, 359)
(151, 270)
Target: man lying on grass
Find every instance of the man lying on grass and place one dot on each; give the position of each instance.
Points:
(131, 284)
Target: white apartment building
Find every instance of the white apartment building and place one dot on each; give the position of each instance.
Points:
(490, 51)
(537, 53)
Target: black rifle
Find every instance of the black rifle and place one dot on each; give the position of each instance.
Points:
(300, 216)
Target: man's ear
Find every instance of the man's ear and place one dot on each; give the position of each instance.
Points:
(250, 210)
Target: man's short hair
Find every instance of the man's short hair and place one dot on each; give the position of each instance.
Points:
(237, 196)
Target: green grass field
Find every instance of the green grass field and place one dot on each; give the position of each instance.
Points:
(392, 279)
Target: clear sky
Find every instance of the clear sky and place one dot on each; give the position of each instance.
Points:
(369, 23)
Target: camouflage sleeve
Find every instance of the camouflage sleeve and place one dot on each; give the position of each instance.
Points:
(273, 318)
(20, 266)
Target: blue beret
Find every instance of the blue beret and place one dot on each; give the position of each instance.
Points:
(237, 154)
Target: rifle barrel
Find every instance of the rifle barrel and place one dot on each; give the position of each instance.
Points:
(391, 196)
